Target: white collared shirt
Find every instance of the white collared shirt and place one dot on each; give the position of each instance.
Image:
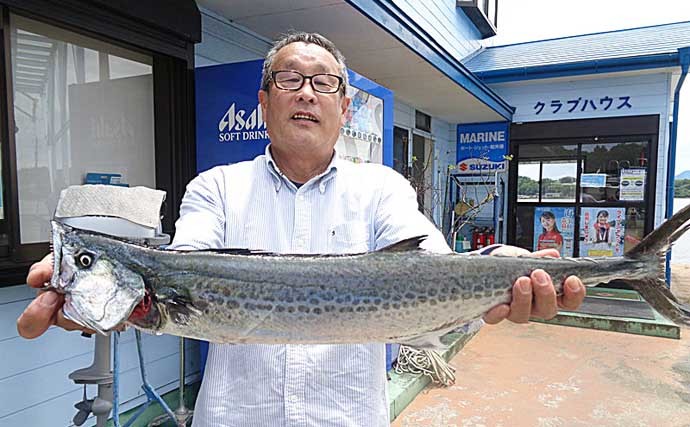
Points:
(350, 208)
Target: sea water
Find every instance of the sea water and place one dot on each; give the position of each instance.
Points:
(681, 249)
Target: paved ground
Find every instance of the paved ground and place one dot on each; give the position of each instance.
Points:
(554, 376)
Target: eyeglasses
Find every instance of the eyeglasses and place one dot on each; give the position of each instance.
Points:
(293, 81)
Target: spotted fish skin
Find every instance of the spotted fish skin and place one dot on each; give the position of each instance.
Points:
(391, 295)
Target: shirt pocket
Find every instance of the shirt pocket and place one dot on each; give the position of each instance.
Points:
(349, 237)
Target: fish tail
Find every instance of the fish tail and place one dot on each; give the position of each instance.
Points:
(653, 248)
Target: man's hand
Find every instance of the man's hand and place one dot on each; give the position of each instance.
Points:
(535, 296)
(46, 309)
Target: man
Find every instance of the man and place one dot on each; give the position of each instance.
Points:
(299, 198)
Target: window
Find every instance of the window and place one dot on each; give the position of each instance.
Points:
(482, 13)
(614, 171)
(422, 121)
(4, 238)
(401, 146)
(78, 96)
(547, 173)
(80, 106)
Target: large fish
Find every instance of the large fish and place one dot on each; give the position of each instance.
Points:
(397, 294)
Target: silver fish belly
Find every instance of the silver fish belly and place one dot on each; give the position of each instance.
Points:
(393, 295)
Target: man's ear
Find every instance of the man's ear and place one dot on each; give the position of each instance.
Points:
(344, 104)
(263, 100)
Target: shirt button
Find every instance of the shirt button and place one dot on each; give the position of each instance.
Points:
(294, 398)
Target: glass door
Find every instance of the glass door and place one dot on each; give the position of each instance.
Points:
(583, 197)
(546, 194)
(612, 198)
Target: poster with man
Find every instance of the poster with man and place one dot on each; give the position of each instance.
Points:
(602, 231)
(554, 228)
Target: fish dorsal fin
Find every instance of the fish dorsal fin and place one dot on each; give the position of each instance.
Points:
(231, 251)
(411, 244)
(253, 252)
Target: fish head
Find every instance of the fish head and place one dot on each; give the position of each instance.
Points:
(100, 292)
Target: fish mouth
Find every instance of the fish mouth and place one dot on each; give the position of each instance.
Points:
(57, 233)
(73, 314)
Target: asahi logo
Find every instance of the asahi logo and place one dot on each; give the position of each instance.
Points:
(237, 125)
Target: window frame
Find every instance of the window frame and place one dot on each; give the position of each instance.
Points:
(173, 103)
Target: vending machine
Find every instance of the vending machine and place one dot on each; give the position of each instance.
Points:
(230, 126)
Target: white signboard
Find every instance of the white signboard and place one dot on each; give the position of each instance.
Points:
(632, 184)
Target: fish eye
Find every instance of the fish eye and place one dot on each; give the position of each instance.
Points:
(84, 260)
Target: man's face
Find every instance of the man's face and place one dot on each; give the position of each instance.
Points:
(303, 118)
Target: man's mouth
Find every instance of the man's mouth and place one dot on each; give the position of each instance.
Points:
(305, 116)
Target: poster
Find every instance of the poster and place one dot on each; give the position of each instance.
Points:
(361, 138)
(594, 180)
(554, 228)
(632, 184)
(602, 231)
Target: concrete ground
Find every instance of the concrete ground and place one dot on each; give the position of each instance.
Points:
(555, 376)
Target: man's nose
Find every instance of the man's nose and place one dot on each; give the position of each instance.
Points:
(307, 92)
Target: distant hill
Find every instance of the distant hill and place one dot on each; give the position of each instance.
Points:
(683, 175)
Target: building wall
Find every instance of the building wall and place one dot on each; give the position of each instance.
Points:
(34, 387)
(444, 136)
(446, 23)
(648, 94)
(224, 42)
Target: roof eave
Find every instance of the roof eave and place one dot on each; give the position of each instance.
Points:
(600, 66)
(386, 14)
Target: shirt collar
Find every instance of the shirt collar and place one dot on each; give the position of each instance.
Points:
(279, 177)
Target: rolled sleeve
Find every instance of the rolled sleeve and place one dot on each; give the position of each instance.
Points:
(202, 215)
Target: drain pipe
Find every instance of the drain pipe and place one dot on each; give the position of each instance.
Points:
(684, 59)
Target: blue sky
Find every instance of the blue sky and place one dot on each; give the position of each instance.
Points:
(527, 20)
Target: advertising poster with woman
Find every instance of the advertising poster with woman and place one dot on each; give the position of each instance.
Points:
(553, 228)
(361, 138)
(602, 231)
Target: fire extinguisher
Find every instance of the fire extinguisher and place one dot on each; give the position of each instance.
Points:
(478, 238)
(490, 237)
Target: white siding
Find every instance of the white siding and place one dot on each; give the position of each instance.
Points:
(34, 388)
(445, 146)
(446, 23)
(403, 114)
(649, 94)
(224, 42)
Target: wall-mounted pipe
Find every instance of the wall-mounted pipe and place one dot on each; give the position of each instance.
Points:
(684, 59)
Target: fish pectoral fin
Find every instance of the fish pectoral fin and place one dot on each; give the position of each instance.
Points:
(432, 340)
(411, 244)
(179, 307)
